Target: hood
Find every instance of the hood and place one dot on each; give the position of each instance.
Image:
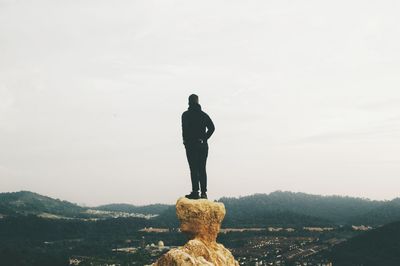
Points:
(194, 107)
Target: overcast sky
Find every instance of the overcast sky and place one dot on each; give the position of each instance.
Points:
(305, 96)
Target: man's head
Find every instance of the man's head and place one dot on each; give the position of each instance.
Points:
(193, 99)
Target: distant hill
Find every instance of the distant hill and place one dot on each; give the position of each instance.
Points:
(380, 246)
(276, 208)
(386, 213)
(26, 202)
(287, 208)
(147, 209)
(335, 209)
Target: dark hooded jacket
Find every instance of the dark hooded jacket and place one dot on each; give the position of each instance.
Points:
(196, 125)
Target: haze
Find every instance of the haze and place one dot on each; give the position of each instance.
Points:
(304, 95)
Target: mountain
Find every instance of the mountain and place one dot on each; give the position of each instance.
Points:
(380, 246)
(147, 209)
(335, 209)
(285, 208)
(386, 213)
(26, 202)
(248, 217)
(276, 208)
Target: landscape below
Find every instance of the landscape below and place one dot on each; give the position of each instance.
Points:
(280, 228)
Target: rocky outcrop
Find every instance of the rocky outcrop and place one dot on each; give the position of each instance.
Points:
(200, 220)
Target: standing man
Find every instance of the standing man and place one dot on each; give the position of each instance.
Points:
(197, 128)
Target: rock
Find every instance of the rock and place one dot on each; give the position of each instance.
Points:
(200, 220)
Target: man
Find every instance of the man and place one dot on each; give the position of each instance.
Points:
(197, 128)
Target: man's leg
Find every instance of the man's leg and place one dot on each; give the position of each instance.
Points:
(193, 159)
(203, 154)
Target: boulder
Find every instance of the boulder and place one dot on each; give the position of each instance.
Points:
(201, 221)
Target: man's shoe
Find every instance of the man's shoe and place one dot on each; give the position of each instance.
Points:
(193, 195)
(203, 195)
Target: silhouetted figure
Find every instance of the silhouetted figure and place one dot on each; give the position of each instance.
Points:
(197, 128)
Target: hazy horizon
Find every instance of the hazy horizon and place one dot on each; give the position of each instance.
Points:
(304, 96)
(83, 204)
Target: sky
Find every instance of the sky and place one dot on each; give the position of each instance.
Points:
(305, 97)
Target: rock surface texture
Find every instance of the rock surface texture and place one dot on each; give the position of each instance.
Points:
(200, 220)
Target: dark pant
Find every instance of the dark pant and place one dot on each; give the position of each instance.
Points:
(196, 154)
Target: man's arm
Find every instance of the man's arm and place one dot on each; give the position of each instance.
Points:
(183, 128)
(210, 127)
